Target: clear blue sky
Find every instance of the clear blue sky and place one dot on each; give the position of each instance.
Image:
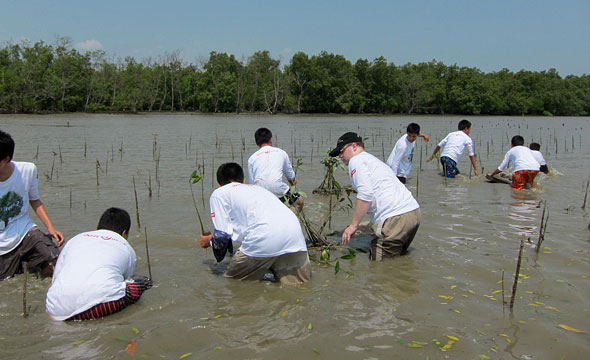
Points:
(487, 34)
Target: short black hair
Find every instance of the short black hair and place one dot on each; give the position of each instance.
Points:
(262, 136)
(464, 124)
(115, 219)
(535, 146)
(6, 145)
(517, 140)
(229, 172)
(413, 128)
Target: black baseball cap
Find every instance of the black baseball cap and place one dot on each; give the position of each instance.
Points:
(348, 138)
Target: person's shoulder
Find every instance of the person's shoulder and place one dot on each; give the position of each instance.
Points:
(24, 165)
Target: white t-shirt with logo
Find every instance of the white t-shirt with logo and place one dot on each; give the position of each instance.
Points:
(454, 145)
(521, 158)
(539, 157)
(256, 218)
(266, 168)
(91, 269)
(400, 159)
(15, 194)
(376, 183)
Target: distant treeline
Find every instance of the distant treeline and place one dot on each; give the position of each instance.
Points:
(57, 78)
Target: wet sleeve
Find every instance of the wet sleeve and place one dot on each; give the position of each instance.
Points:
(443, 142)
(470, 147)
(131, 264)
(287, 168)
(506, 161)
(395, 158)
(250, 172)
(34, 185)
(220, 215)
(361, 182)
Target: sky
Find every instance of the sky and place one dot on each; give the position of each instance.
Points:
(490, 35)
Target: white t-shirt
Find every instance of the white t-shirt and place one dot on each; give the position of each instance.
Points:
(400, 159)
(454, 145)
(91, 269)
(257, 218)
(521, 158)
(15, 194)
(266, 168)
(539, 157)
(376, 183)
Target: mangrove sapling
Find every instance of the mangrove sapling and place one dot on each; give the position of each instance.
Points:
(513, 296)
(121, 151)
(503, 301)
(85, 148)
(195, 178)
(328, 185)
(36, 157)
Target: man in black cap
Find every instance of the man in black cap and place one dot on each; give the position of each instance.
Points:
(394, 211)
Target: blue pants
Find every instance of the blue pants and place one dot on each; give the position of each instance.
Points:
(449, 167)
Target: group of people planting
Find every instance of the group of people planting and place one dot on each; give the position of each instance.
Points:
(93, 273)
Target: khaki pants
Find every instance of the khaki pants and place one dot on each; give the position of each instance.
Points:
(291, 268)
(395, 235)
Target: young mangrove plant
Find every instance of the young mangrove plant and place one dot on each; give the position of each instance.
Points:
(195, 178)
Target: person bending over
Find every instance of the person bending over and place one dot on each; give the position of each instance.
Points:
(523, 161)
(394, 211)
(267, 166)
(93, 271)
(454, 144)
(270, 233)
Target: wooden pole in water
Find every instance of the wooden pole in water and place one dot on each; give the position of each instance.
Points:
(517, 273)
(25, 309)
(586, 194)
(542, 229)
(147, 253)
(503, 301)
(136, 204)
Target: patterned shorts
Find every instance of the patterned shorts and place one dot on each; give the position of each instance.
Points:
(523, 177)
(449, 167)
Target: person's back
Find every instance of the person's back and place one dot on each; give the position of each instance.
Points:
(521, 158)
(258, 219)
(453, 146)
(389, 196)
(536, 150)
(266, 168)
(90, 270)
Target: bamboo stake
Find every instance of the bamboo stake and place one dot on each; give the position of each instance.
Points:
(586, 194)
(147, 253)
(37, 153)
(541, 228)
(25, 308)
(517, 273)
(61, 160)
(503, 301)
(70, 198)
(97, 166)
(136, 204)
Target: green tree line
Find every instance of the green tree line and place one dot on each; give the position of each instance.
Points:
(57, 78)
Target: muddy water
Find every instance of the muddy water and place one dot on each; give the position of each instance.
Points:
(443, 300)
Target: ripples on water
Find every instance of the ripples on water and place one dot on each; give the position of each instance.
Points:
(449, 286)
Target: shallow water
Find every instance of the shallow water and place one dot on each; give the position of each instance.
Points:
(448, 287)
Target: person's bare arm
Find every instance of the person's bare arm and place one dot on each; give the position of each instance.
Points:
(41, 212)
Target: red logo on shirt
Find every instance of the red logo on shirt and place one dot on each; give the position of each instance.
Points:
(352, 172)
(106, 237)
(212, 214)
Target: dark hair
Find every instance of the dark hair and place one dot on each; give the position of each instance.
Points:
(535, 146)
(229, 172)
(6, 145)
(116, 220)
(464, 124)
(262, 136)
(517, 140)
(413, 128)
